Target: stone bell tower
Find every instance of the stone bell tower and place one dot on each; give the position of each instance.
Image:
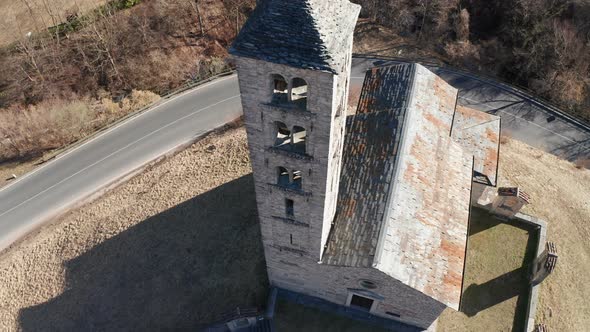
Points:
(293, 59)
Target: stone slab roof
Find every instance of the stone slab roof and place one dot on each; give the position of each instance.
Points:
(309, 34)
(405, 186)
(479, 134)
(371, 145)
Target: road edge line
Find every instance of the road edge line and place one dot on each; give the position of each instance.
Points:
(116, 124)
(21, 236)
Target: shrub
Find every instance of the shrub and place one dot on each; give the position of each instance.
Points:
(55, 123)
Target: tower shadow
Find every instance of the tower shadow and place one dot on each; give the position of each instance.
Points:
(180, 269)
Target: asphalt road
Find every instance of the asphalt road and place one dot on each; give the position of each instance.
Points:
(523, 117)
(79, 173)
(92, 166)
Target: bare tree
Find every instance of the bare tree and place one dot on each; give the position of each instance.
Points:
(461, 23)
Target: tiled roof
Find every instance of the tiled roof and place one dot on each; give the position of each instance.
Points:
(405, 184)
(386, 88)
(310, 34)
(371, 145)
(479, 134)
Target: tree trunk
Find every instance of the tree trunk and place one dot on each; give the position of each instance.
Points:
(199, 17)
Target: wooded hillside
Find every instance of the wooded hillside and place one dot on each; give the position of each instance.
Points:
(543, 45)
(93, 63)
(101, 53)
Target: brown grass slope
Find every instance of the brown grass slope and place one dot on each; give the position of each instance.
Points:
(179, 244)
(173, 248)
(19, 17)
(561, 196)
(55, 89)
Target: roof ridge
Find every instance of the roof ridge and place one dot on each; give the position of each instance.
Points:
(402, 144)
(309, 34)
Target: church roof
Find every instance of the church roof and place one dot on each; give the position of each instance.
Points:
(479, 134)
(310, 34)
(404, 196)
(371, 149)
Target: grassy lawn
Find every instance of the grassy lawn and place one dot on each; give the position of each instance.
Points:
(495, 288)
(294, 317)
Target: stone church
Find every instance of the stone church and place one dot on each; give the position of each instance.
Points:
(369, 210)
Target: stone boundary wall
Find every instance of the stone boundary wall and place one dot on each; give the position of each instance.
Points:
(540, 226)
(533, 298)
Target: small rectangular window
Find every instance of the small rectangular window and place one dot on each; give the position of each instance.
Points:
(392, 314)
(289, 207)
(361, 302)
(291, 238)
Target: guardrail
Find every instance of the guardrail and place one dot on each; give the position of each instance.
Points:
(192, 84)
(185, 87)
(518, 90)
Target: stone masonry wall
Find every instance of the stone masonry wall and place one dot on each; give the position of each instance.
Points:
(311, 215)
(333, 283)
(294, 245)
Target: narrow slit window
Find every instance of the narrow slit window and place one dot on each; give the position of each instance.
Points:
(291, 238)
(289, 207)
(339, 111)
(279, 89)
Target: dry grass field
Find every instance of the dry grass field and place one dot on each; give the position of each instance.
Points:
(33, 134)
(560, 194)
(173, 248)
(178, 245)
(18, 17)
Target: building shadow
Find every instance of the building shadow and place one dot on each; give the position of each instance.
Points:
(482, 220)
(177, 270)
(479, 297)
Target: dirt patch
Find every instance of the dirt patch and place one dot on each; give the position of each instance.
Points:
(175, 247)
(18, 169)
(375, 39)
